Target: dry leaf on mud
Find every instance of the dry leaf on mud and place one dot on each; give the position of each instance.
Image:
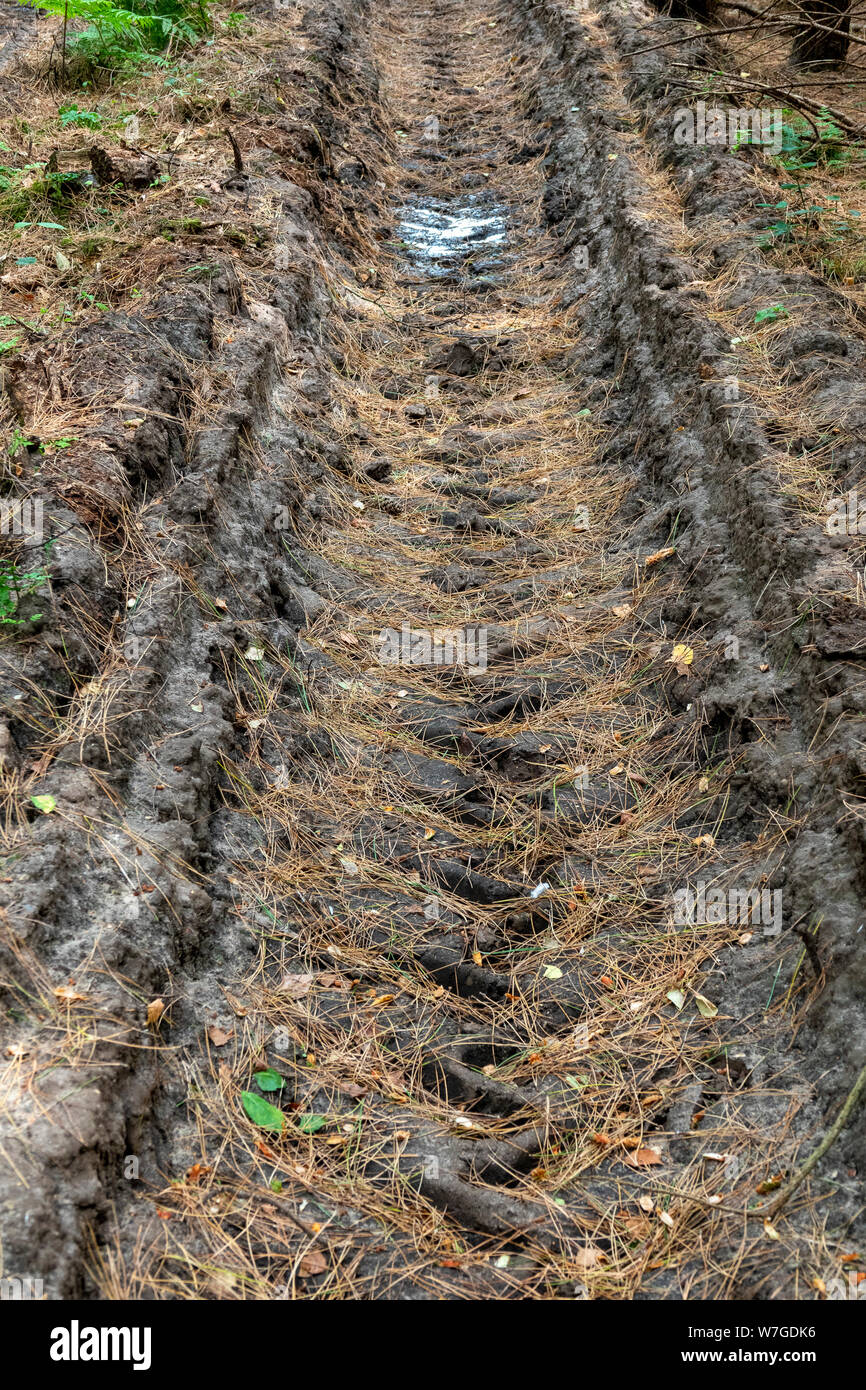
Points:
(646, 1204)
(155, 1010)
(349, 638)
(659, 555)
(238, 1009)
(706, 1008)
(296, 985)
(68, 994)
(644, 1158)
(622, 610)
(312, 1263)
(666, 1218)
(218, 1036)
(588, 1257)
(636, 1224)
(351, 1089)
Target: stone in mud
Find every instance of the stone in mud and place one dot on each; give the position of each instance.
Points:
(468, 356)
(302, 605)
(378, 469)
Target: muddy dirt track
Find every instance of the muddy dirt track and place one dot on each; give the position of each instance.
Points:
(439, 618)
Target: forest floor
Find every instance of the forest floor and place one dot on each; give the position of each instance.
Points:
(432, 772)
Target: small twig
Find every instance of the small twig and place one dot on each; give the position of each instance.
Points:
(829, 1138)
(236, 150)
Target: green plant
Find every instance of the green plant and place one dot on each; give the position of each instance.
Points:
(114, 35)
(72, 115)
(32, 189)
(820, 227)
(16, 584)
(775, 311)
(57, 444)
(804, 146)
(18, 441)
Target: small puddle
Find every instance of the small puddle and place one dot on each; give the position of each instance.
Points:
(437, 236)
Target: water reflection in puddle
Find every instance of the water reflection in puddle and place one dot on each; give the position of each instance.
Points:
(438, 235)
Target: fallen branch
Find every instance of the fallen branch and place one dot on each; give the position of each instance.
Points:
(734, 88)
(783, 21)
(830, 1138)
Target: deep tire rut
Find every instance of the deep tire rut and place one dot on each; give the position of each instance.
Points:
(472, 736)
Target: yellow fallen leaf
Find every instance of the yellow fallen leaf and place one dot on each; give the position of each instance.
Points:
(706, 1008)
(476, 956)
(681, 655)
